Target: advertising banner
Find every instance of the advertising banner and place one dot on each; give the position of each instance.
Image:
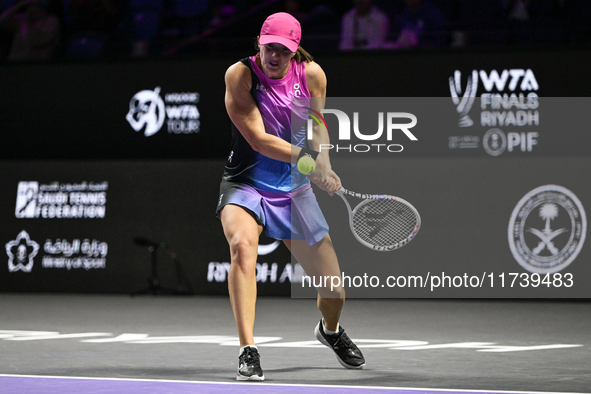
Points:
(113, 227)
(446, 202)
(111, 175)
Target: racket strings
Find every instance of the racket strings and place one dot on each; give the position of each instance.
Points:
(384, 222)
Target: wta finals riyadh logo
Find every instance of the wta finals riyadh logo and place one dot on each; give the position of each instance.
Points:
(146, 109)
(464, 104)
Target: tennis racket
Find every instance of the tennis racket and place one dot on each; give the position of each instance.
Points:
(380, 221)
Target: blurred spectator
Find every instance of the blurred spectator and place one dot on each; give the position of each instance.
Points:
(36, 32)
(534, 22)
(517, 9)
(315, 18)
(5, 35)
(145, 19)
(294, 7)
(222, 12)
(577, 17)
(365, 26)
(480, 23)
(89, 26)
(421, 24)
(187, 17)
(321, 24)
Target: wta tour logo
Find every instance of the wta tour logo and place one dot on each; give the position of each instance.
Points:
(547, 229)
(148, 112)
(21, 252)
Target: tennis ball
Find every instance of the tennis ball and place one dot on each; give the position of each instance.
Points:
(306, 165)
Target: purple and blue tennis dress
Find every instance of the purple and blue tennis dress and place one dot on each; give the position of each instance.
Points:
(275, 192)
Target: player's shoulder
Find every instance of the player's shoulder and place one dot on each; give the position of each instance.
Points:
(237, 69)
(238, 73)
(313, 67)
(315, 73)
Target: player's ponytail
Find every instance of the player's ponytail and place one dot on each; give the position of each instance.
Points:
(302, 55)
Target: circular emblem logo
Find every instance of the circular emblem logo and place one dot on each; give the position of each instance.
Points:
(494, 142)
(547, 229)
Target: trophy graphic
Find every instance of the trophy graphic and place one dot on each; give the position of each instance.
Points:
(464, 104)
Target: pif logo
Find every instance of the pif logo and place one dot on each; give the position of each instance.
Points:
(388, 124)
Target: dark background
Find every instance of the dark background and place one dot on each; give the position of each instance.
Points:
(65, 122)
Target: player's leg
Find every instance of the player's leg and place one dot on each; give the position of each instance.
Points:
(242, 233)
(320, 260)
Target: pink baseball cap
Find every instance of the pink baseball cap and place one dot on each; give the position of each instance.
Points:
(281, 28)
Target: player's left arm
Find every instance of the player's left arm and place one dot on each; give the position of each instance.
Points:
(323, 176)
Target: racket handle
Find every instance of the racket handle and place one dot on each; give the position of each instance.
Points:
(341, 191)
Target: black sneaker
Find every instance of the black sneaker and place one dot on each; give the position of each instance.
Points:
(249, 365)
(347, 352)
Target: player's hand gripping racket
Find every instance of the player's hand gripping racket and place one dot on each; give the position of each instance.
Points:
(382, 222)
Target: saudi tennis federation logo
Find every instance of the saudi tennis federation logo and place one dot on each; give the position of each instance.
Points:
(547, 229)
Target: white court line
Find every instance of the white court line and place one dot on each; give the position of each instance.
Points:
(250, 384)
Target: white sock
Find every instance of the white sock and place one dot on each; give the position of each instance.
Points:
(242, 349)
(327, 331)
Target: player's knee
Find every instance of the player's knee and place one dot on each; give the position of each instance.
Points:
(243, 250)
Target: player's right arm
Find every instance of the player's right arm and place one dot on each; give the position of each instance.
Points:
(245, 115)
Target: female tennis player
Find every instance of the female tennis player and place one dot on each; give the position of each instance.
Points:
(261, 186)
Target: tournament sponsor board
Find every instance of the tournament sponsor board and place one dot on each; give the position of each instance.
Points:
(178, 112)
(428, 127)
(509, 98)
(23, 252)
(76, 254)
(464, 205)
(161, 202)
(444, 150)
(57, 200)
(496, 105)
(265, 273)
(547, 229)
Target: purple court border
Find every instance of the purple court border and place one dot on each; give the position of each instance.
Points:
(17, 384)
